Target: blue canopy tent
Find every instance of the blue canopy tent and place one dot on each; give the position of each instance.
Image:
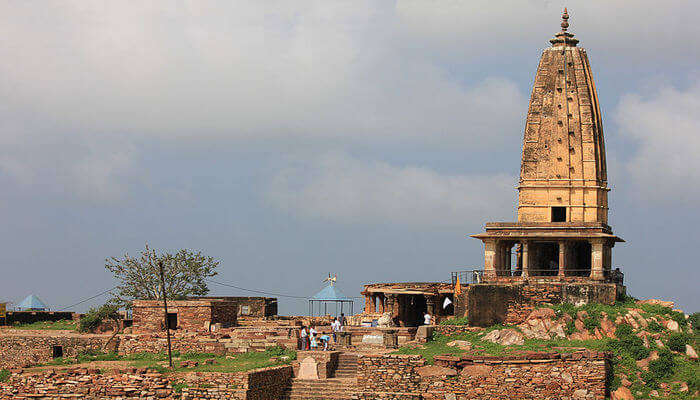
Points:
(32, 303)
(330, 294)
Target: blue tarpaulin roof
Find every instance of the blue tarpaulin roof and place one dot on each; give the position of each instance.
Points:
(330, 293)
(32, 302)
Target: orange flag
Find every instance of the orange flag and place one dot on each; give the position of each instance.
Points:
(458, 286)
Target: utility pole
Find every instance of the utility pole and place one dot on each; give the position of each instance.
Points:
(165, 307)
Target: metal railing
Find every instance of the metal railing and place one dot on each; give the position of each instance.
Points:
(479, 275)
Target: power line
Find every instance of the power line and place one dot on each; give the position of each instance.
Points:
(258, 291)
(88, 299)
(263, 292)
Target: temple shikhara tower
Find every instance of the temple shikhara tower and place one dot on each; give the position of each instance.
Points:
(562, 229)
(560, 248)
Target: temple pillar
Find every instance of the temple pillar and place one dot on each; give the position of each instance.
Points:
(563, 257)
(597, 260)
(392, 306)
(373, 303)
(525, 258)
(380, 303)
(507, 258)
(431, 302)
(489, 258)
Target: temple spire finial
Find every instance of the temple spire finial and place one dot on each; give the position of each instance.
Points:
(564, 38)
(564, 20)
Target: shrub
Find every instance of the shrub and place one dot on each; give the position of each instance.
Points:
(94, 317)
(679, 317)
(695, 321)
(654, 326)
(623, 330)
(570, 328)
(660, 368)
(677, 342)
(591, 322)
(4, 375)
(628, 343)
(276, 351)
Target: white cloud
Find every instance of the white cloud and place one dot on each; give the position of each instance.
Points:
(666, 127)
(349, 190)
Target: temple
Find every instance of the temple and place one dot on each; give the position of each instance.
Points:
(562, 231)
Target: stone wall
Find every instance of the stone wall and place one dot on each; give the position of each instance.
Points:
(28, 317)
(245, 339)
(183, 342)
(22, 350)
(388, 374)
(491, 304)
(527, 376)
(192, 315)
(260, 384)
(226, 341)
(252, 307)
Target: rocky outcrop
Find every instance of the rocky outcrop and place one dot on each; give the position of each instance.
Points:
(622, 393)
(505, 337)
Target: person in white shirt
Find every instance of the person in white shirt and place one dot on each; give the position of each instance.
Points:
(304, 338)
(335, 326)
(426, 318)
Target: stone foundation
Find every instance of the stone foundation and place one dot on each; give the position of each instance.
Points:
(489, 304)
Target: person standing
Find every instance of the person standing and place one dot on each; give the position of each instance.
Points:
(342, 321)
(304, 338)
(335, 327)
(426, 318)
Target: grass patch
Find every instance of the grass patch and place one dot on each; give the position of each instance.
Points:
(456, 321)
(4, 375)
(64, 324)
(596, 310)
(439, 346)
(178, 386)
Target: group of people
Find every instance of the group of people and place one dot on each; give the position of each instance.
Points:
(311, 340)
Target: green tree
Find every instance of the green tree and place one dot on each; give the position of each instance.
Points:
(185, 275)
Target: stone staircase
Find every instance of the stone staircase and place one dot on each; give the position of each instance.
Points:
(323, 389)
(347, 366)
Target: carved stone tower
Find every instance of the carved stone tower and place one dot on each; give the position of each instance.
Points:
(562, 231)
(563, 175)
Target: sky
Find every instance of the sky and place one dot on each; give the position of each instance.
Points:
(290, 139)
